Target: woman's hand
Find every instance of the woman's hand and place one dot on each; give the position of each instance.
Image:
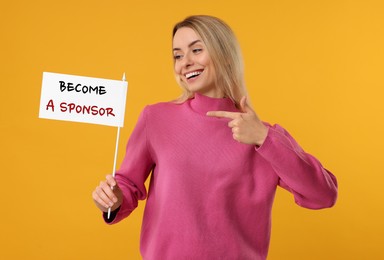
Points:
(246, 126)
(107, 195)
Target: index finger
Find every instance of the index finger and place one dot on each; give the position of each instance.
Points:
(223, 114)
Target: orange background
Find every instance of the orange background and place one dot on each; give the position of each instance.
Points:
(315, 67)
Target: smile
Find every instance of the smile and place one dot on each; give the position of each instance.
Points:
(193, 74)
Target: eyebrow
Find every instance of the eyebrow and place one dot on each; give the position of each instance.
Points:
(189, 45)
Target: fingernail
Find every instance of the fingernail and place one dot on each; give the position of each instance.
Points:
(114, 199)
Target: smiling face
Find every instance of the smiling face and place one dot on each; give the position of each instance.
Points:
(193, 64)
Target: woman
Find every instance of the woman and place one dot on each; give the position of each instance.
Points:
(215, 166)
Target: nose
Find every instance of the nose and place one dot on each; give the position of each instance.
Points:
(187, 60)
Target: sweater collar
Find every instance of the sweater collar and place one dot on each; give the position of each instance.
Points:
(202, 104)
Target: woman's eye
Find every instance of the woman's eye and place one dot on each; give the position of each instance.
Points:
(197, 50)
(177, 56)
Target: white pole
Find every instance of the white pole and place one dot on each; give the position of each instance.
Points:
(115, 159)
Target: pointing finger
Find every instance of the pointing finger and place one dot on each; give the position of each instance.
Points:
(223, 114)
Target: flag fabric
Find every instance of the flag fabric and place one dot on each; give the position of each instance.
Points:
(83, 99)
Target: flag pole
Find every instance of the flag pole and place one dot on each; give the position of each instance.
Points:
(115, 159)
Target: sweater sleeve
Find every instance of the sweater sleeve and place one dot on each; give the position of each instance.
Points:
(134, 171)
(313, 186)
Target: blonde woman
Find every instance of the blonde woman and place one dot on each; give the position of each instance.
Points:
(215, 166)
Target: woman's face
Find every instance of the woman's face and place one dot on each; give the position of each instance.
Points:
(193, 64)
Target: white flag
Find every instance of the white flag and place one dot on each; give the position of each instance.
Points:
(83, 99)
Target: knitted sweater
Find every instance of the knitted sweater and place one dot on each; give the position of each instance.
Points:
(210, 197)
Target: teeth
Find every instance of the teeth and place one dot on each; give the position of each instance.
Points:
(192, 74)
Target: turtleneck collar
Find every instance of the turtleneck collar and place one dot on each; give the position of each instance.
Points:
(202, 104)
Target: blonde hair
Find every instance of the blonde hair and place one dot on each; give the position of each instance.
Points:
(225, 54)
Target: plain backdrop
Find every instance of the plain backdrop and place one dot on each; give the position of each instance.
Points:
(315, 67)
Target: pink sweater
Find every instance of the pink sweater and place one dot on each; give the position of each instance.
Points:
(210, 197)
